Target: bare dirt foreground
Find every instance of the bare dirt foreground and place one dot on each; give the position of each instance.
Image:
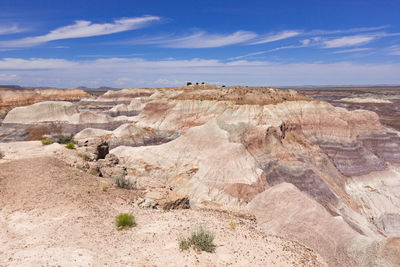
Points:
(52, 214)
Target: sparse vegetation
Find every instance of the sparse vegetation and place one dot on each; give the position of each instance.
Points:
(125, 220)
(79, 166)
(197, 83)
(94, 171)
(1, 155)
(202, 82)
(47, 141)
(200, 239)
(65, 139)
(104, 188)
(70, 145)
(84, 156)
(189, 83)
(121, 181)
(223, 85)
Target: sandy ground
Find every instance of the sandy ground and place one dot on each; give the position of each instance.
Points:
(52, 214)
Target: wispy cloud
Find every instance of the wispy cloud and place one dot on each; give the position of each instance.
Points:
(338, 42)
(276, 37)
(199, 39)
(202, 39)
(248, 55)
(61, 47)
(346, 41)
(111, 55)
(10, 29)
(83, 28)
(355, 40)
(344, 31)
(34, 63)
(352, 50)
(394, 50)
(303, 43)
(295, 33)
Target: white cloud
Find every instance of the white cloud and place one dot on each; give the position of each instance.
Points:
(200, 39)
(83, 28)
(35, 63)
(10, 29)
(352, 50)
(276, 37)
(137, 72)
(345, 41)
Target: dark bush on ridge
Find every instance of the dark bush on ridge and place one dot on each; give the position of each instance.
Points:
(65, 139)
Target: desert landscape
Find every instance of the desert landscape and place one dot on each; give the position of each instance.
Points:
(200, 133)
(282, 177)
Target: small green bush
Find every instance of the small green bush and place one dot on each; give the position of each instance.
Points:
(65, 139)
(202, 82)
(70, 145)
(188, 83)
(121, 181)
(125, 220)
(46, 142)
(200, 239)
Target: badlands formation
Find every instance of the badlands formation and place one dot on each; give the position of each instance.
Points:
(301, 175)
(10, 98)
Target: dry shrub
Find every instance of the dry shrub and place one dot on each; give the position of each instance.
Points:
(200, 239)
(122, 182)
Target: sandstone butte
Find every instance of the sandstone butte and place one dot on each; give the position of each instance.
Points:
(319, 175)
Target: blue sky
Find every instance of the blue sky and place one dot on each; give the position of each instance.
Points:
(166, 43)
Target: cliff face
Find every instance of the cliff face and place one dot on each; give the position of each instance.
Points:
(14, 98)
(323, 175)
